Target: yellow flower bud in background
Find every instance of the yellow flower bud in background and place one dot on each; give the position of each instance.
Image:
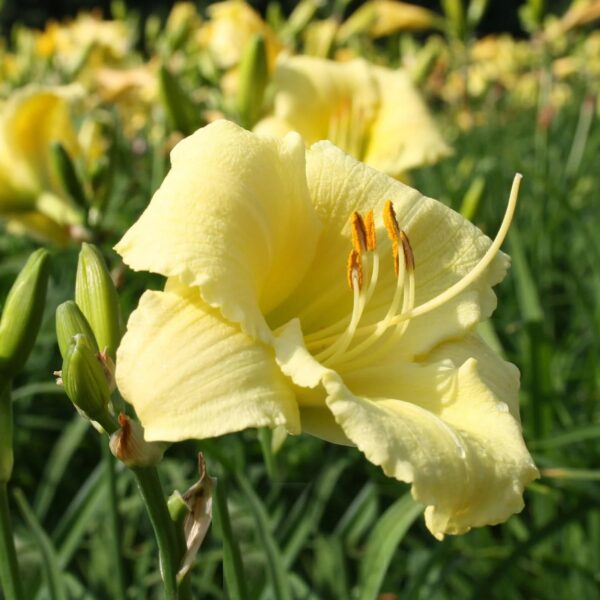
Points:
(97, 298)
(22, 314)
(69, 322)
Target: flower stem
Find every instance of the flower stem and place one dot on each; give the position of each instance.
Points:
(164, 530)
(113, 515)
(9, 568)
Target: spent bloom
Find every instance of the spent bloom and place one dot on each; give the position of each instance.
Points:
(309, 291)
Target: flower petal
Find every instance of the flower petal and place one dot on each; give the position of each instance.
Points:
(31, 120)
(445, 245)
(313, 94)
(404, 135)
(191, 374)
(233, 217)
(447, 429)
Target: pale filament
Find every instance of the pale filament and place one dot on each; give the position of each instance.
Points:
(361, 299)
(400, 312)
(403, 300)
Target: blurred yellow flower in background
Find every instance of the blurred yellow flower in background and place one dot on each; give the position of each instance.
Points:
(256, 325)
(373, 113)
(31, 200)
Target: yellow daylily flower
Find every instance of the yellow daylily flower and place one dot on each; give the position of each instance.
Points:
(256, 325)
(373, 113)
(30, 198)
(87, 42)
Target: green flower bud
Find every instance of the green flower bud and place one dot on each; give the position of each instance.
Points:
(182, 113)
(97, 298)
(129, 446)
(69, 322)
(85, 382)
(65, 171)
(299, 18)
(22, 314)
(254, 76)
(6, 435)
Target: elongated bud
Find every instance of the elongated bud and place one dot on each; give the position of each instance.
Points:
(128, 445)
(299, 18)
(85, 382)
(182, 113)
(455, 17)
(22, 314)
(65, 171)
(97, 298)
(472, 198)
(254, 76)
(6, 434)
(69, 322)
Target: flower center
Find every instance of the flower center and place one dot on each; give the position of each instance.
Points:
(344, 342)
(349, 126)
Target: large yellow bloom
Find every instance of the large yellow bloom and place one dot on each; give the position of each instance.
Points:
(257, 327)
(31, 199)
(373, 113)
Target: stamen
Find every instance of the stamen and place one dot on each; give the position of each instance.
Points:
(370, 230)
(403, 299)
(354, 270)
(409, 257)
(359, 233)
(479, 268)
(390, 222)
(393, 230)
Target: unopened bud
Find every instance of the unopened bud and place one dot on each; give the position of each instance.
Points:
(299, 18)
(69, 322)
(65, 171)
(254, 76)
(182, 113)
(22, 314)
(6, 434)
(130, 447)
(472, 198)
(85, 382)
(97, 298)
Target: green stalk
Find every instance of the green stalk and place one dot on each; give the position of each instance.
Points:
(233, 568)
(9, 568)
(164, 530)
(120, 586)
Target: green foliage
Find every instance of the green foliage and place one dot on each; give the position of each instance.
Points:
(315, 520)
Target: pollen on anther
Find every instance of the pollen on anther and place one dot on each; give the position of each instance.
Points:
(359, 233)
(390, 222)
(370, 230)
(409, 257)
(354, 271)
